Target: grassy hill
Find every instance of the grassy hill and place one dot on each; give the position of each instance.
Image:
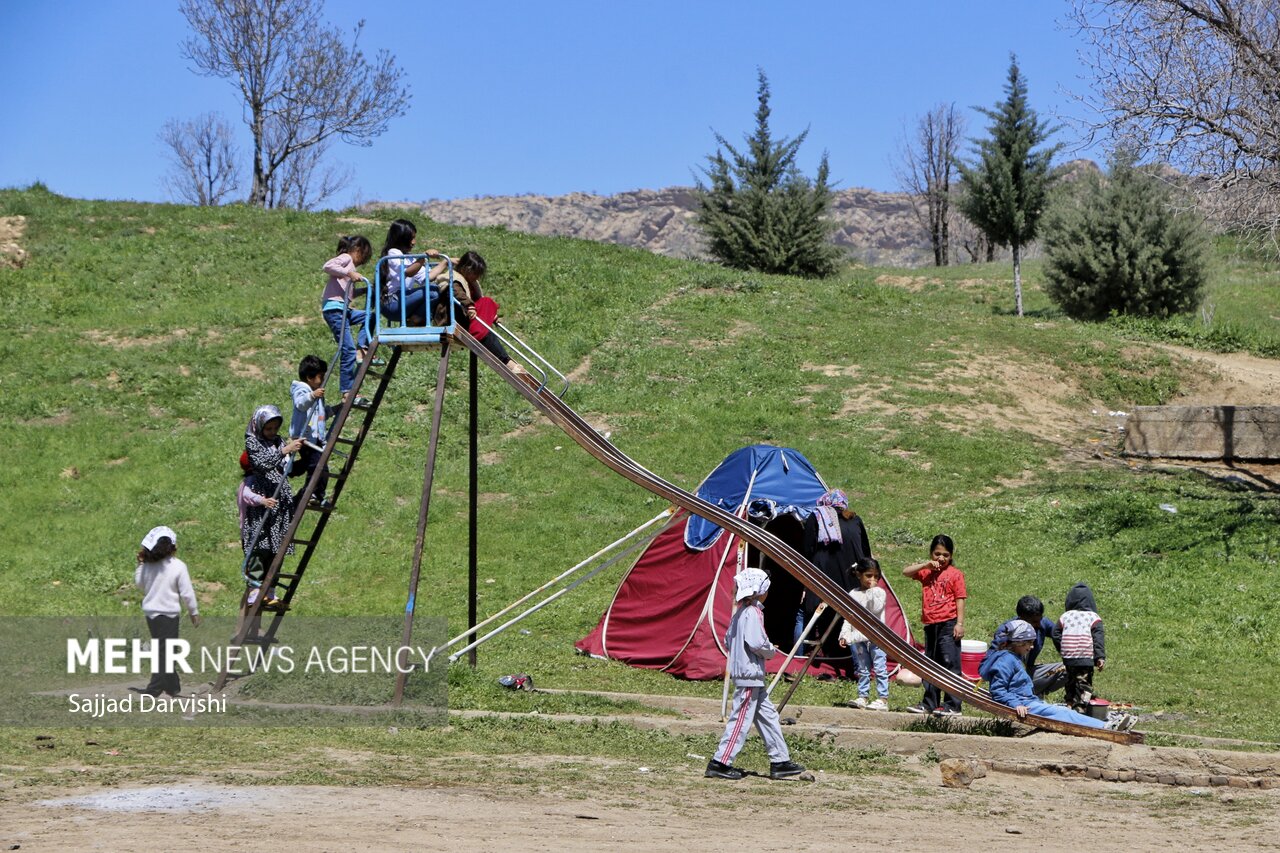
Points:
(140, 338)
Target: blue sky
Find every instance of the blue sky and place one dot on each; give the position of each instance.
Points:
(561, 95)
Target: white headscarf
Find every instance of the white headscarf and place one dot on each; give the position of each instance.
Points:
(750, 582)
(154, 536)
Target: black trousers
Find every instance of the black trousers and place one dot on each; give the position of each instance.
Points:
(308, 461)
(164, 679)
(940, 646)
(493, 345)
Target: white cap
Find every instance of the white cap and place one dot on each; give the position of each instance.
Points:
(750, 582)
(156, 534)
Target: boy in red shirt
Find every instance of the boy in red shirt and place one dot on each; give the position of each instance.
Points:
(942, 599)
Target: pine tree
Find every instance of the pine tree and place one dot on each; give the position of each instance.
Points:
(1118, 245)
(1005, 192)
(760, 212)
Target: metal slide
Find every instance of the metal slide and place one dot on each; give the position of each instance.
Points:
(784, 555)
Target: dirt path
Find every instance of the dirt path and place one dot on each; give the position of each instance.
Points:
(1236, 378)
(581, 805)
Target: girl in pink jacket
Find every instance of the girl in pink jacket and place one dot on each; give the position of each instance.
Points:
(336, 303)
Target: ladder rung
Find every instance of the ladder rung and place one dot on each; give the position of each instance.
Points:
(288, 577)
(375, 374)
(303, 542)
(341, 440)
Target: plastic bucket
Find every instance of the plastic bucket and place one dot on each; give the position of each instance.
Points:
(971, 654)
(1099, 708)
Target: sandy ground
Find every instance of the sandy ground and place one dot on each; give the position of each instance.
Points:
(659, 809)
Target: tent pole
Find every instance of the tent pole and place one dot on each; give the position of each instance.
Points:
(472, 496)
(796, 648)
(578, 582)
(471, 632)
(724, 693)
(423, 505)
(807, 661)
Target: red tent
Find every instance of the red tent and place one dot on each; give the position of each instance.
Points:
(672, 608)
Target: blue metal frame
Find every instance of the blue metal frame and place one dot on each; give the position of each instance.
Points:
(384, 330)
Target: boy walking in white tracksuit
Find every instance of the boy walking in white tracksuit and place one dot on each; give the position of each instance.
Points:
(748, 648)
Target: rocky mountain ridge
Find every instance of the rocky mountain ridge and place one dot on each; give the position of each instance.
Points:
(875, 227)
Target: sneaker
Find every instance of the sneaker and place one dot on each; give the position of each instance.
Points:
(716, 770)
(859, 703)
(785, 769)
(878, 705)
(271, 601)
(1121, 723)
(917, 709)
(944, 711)
(320, 503)
(378, 362)
(362, 402)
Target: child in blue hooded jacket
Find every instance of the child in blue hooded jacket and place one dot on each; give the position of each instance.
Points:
(1006, 675)
(748, 647)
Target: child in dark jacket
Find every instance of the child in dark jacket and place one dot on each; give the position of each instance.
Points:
(1079, 637)
(748, 647)
(1045, 677)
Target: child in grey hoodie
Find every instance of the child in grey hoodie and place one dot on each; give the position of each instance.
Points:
(748, 647)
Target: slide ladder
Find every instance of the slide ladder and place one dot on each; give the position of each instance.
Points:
(784, 555)
(309, 521)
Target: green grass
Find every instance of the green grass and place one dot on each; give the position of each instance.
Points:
(142, 337)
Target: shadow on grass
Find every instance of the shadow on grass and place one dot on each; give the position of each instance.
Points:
(963, 726)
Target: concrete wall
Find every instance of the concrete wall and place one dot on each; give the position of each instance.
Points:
(1205, 432)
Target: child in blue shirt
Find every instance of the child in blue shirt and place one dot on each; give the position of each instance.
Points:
(309, 424)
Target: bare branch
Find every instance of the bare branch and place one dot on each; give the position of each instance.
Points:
(1196, 84)
(301, 82)
(204, 157)
(924, 173)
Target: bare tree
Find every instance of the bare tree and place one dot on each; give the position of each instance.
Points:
(204, 160)
(1196, 84)
(968, 236)
(305, 180)
(301, 83)
(924, 173)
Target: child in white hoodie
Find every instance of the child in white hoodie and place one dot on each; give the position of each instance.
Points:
(166, 587)
(867, 656)
(748, 647)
